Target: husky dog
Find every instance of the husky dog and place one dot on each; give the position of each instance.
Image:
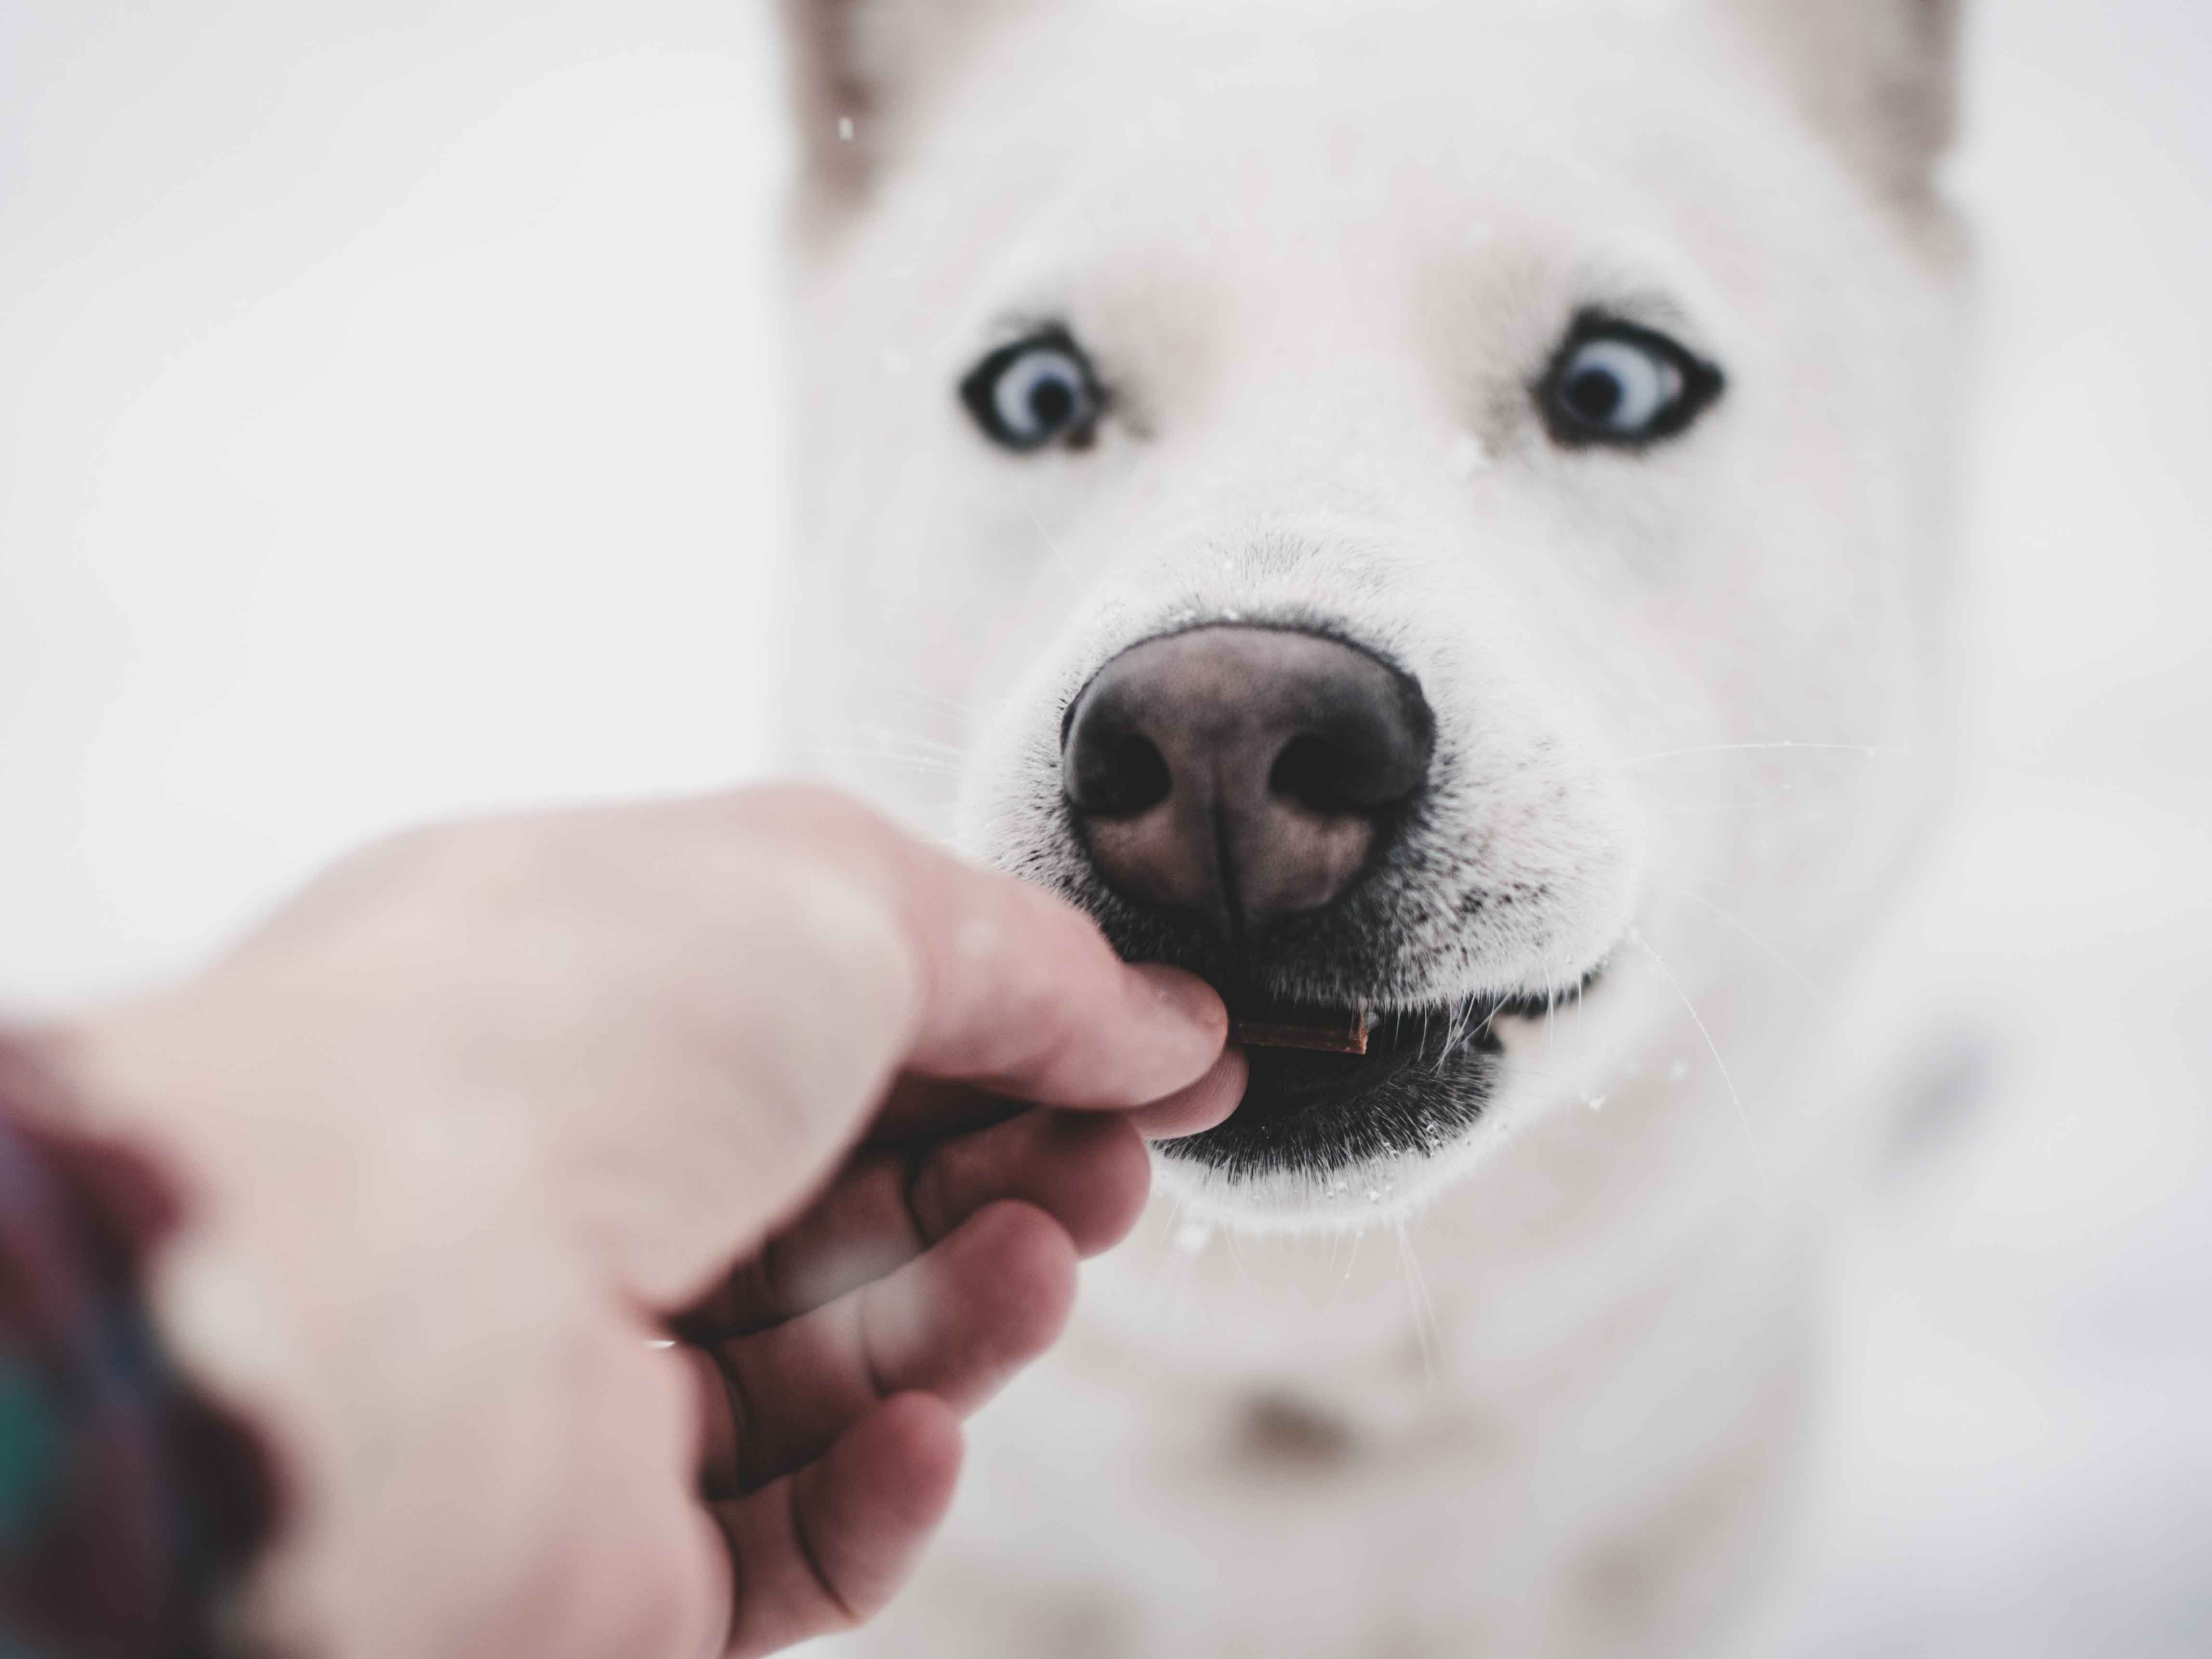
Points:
(1431, 513)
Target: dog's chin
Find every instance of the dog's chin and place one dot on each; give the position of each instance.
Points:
(1325, 1141)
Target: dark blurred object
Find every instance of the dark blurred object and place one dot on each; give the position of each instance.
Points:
(128, 1506)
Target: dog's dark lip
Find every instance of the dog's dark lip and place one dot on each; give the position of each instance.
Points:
(1424, 1080)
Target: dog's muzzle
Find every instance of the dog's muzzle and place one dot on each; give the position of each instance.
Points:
(1234, 785)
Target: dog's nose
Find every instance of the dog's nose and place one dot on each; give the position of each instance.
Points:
(1242, 773)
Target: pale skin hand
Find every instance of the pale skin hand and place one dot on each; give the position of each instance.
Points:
(489, 1109)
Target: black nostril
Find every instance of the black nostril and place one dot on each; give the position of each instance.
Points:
(1312, 772)
(1123, 775)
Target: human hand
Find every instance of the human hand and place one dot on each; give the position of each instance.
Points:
(468, 1123)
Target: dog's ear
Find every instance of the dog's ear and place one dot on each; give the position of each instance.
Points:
(861, 73)
(1880, 78)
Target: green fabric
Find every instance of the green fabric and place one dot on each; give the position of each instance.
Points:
(32, 1440)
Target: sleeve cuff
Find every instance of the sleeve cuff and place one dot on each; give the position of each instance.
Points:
(130, 1504)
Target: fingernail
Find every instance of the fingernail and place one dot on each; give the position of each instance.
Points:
(1189, 999)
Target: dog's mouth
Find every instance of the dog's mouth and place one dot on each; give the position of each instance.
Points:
(1336, 1087)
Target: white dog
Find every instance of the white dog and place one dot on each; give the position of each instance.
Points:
(1432, 514)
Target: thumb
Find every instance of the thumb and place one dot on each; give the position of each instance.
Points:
(845, 954)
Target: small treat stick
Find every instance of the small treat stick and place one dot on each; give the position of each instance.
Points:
(1321, 1033)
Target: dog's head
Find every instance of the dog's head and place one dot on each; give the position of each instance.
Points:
(1293, 478)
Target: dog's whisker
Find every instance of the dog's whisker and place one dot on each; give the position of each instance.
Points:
(1751, 1137)
(922, 764)
(1187, 1240)
(869, 738)
(892, 736)
(1438, 1067)
(938, 702)
(1351, 1262)
(1723, 806)
(1426, 1329)
(1237, 1255)
(886, 746)
(921, 697)
(890, 753)
(1710, 881)
(893, 743)
(924, 709)
(1813, 989)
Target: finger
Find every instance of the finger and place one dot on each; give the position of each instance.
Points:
(1087, 1171)
(1201, 1106)
(957, 1322)
(716, 1414)
(922, 1109)
(824, 1550)
(1017, 991)
(825, 953)
(862, 1229)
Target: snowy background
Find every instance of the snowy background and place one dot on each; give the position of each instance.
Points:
(388, 427)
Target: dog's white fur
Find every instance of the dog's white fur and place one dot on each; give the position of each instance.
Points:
(1687, 701)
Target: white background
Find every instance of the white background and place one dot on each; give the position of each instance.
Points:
(388, 426)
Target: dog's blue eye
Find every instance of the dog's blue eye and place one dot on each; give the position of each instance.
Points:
(1035, 391)
(1616, 383)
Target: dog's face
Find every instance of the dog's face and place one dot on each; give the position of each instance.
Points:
(1301, 479)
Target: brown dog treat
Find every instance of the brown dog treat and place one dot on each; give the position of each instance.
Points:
(1344, 1035)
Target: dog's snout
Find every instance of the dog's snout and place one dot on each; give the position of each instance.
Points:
(1244, 774)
